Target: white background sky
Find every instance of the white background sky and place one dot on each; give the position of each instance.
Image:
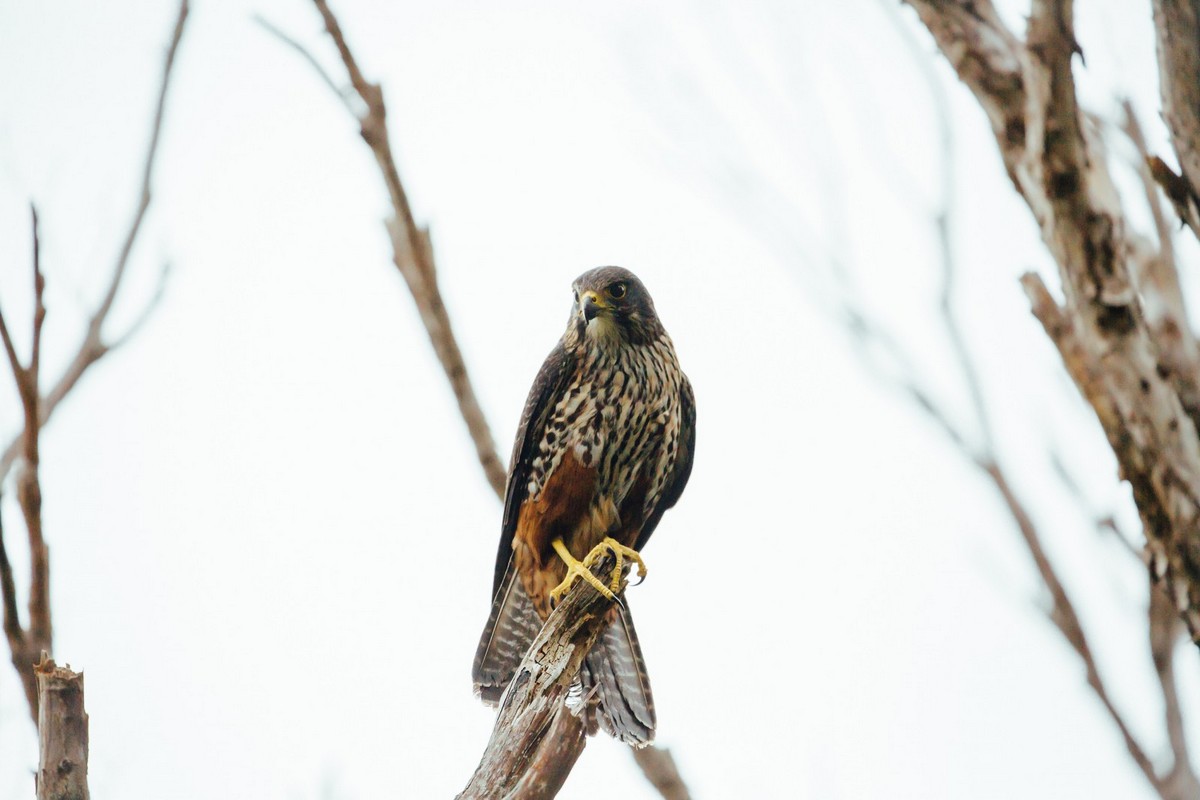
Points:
(272, 546)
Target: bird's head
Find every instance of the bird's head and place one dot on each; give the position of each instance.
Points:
(612, 306)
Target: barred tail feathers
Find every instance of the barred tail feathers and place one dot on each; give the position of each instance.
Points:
(511, 628)
(616, 671)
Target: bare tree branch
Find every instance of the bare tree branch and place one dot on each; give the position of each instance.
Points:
(1067, 187)
(411, 248)
(307, 56)
(535, 703)
(14, 631)
(658, 765)
(1063, 615)
(24, 644)
(94, 347)
(1165, 629)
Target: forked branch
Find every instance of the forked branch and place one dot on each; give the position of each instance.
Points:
(94, 346)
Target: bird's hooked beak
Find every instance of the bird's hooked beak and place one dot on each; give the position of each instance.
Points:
(591, 305)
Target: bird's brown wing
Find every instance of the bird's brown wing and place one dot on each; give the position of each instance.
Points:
(548, 387)
(513, 622)
(683, 464)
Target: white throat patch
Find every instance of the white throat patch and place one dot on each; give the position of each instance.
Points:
(604, 330)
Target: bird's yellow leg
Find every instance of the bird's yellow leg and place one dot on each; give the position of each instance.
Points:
(575, 568)
(620, 553)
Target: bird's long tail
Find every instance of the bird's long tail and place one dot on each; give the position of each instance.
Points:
(511, 628)
(616, 670)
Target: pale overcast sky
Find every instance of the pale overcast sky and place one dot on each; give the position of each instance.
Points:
(272, 544)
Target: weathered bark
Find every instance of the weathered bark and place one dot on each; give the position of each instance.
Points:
(62, 733)
(536, 739)
(1028, 91)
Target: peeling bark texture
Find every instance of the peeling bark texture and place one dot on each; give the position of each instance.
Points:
(62, 733)
(537, 738)
(1101, 328)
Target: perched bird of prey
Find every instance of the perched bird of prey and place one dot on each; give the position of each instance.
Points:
(604, 448)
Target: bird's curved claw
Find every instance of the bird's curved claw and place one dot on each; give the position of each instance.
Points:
(620, 553)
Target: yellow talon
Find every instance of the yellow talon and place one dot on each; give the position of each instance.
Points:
(582, 569)
(620, 552)
(575, 568)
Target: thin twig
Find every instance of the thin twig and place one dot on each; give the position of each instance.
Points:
(1062, 613)
(29, 487)
(325, 77)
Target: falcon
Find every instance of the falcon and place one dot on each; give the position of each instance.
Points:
(604, 448)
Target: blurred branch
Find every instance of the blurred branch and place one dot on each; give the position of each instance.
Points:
(412, 251)
(1165, 630)
(658, 765)
(94, 347)
(27, 643)
(62, 733)
(534, 742)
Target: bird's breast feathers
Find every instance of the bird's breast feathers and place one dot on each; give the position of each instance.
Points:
(615, 413)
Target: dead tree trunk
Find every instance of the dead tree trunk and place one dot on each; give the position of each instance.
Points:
(62, 733)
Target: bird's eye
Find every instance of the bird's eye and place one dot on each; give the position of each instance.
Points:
(617, 290)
